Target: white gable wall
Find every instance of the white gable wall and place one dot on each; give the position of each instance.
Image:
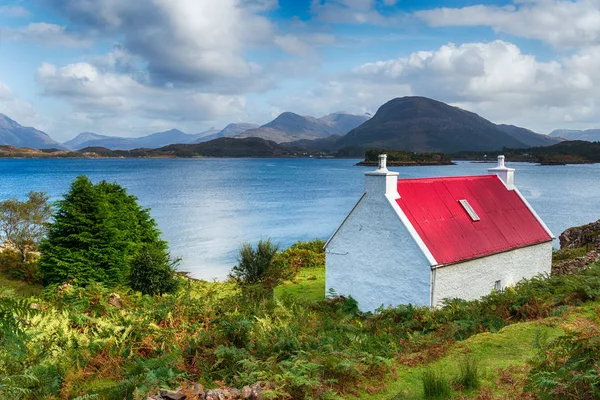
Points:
(373, 258)
(472, 279)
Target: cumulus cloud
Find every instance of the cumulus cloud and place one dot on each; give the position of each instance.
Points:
(186, 42)
(494, 79)
(101, 95)
(47, 34)
(562, 23)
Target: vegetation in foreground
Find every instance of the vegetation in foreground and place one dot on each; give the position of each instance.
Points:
(100, 338)
(77, 341)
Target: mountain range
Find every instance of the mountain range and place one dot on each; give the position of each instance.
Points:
(14, 134)
(411, 123)
(286, 127)
(289, 127)
(590, 135)
(425, 125)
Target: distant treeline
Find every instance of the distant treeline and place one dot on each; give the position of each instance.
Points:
(405, 158)
(569, 152)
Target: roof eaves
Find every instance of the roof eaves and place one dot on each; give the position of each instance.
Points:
(537, 217)
(488, 255)
(412, 231)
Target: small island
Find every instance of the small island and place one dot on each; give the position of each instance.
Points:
(398, 158)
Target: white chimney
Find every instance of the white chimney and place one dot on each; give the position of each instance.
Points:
(382, 181)
(507, 175)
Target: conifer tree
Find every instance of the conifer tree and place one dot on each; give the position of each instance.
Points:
(97, 231)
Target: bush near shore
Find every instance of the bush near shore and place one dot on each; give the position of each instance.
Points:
(72, 341)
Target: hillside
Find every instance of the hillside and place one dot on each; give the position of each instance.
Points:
(530, 138)
(222, 147)
(425, 125)
(590, 135)
(568, 152)
(289, 127)
(231, 130)
(152, 141)
(14, 134)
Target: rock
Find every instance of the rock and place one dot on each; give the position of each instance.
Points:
(246, 392)
(211, 395)
(35, 306)
(573, 265)
(115, 300)
(172, 395)
(580, 236)
(65, 288)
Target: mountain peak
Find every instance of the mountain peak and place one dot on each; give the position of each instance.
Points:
(416, 123)
(14, 134)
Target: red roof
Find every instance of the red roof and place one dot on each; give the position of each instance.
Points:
(433, 208)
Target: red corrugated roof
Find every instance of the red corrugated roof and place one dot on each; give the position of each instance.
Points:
(432, 206)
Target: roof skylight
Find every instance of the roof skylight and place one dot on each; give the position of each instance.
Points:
(469, 210)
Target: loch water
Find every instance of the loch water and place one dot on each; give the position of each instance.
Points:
(207, 207)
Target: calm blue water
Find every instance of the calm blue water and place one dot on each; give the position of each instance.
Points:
(207, 207)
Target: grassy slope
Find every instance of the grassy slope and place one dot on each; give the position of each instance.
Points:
(308, 285)
(512, 346)
(20, 288)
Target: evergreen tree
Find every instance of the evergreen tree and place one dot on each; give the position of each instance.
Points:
(153, 271)
(97, 231)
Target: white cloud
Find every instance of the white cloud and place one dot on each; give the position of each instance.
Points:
(14, 11)
(185, 42)
(495, 79)
(47, 34)
(6, 93)
(18, 109)
(562, 23)
(106, 99)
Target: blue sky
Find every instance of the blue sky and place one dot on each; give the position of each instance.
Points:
(131, 68)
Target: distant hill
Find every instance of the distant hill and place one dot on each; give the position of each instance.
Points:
(590, 135)
(231, 130)
(529, 137)
(221, 147)
(425, 125)
(152, 141)
(565, 152)
(90, 139)
(14, 134)
(288, 127)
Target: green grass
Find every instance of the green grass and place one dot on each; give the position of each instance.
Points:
(308, 285)
(20, 288)
(512, 346)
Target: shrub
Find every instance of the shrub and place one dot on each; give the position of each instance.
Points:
(260, 266)
(11, 262)
(153, 271)
(23, 223)
(567, 367)
(435, 385)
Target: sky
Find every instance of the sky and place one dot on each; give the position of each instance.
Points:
(131, 68)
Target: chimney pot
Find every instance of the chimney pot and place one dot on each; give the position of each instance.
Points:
(381, 181)
(382, 163)
(507, 175)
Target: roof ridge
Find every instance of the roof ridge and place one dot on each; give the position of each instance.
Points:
(454, 177)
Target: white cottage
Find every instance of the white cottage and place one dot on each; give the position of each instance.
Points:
(423, 240)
